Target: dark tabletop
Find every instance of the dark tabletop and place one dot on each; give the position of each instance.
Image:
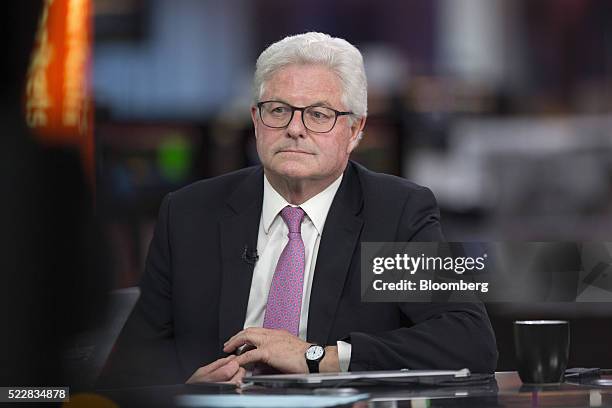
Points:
(506, 391)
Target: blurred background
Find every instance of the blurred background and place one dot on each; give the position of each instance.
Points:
(501, 107)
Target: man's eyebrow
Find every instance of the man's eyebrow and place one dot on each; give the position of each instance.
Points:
(275, 99)
(317, 103)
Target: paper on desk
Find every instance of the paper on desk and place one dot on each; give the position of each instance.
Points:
(267, 401)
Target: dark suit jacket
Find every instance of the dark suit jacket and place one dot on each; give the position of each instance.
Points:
(196, 285)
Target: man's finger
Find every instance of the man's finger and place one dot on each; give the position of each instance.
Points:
(253, 356)
(245, 337)
(224, 373)
(203, 371)
(249, 331)
(220, 370)
(209, 368)
(240, 333)
(237, 378)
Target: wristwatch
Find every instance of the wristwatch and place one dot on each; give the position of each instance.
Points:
(314, 355)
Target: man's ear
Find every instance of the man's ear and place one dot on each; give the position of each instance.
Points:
(254, 117)
(356, 133)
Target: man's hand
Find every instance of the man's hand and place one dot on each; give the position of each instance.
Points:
(278, 349)
(223, 370)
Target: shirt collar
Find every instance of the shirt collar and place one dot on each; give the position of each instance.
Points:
(316, 208)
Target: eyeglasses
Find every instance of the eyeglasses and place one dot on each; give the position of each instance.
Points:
(318, 119)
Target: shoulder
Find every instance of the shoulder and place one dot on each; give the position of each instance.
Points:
(381, 185)
(213, 191)
(410, 209)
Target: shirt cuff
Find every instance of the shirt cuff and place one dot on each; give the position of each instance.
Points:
(344, 355)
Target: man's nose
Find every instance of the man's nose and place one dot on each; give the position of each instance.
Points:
(295, 128)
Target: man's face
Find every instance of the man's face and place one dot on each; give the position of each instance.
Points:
(294, 152)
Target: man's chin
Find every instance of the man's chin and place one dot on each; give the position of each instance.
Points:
(294, 170)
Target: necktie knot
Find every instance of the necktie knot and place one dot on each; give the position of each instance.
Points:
(293, 217)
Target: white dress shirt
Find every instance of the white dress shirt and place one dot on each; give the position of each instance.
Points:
(271, 240)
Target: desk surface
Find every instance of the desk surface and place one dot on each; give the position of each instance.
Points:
(508, 391)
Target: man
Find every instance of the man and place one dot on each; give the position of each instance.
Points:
(264, 262)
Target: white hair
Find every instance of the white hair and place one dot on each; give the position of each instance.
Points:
(317, 48)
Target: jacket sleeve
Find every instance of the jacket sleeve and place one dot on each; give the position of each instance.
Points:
(145, 352)
(433, 335)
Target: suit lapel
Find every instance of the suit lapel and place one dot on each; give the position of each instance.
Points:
(340, 237)
(237, 230)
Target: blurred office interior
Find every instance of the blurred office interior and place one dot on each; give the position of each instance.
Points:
(501, 107)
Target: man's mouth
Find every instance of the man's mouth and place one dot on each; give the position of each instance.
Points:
(293, 151)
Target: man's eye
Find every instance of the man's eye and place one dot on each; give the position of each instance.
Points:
(319, 114)
(280, 110)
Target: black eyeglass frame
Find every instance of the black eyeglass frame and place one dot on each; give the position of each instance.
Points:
(302, 109)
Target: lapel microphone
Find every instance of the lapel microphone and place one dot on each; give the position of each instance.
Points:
(250, 255)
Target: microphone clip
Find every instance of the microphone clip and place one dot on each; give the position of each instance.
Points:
(250, 256)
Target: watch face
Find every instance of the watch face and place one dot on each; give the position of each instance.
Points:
(314, 352)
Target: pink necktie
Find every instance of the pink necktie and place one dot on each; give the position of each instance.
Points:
(285, 296)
